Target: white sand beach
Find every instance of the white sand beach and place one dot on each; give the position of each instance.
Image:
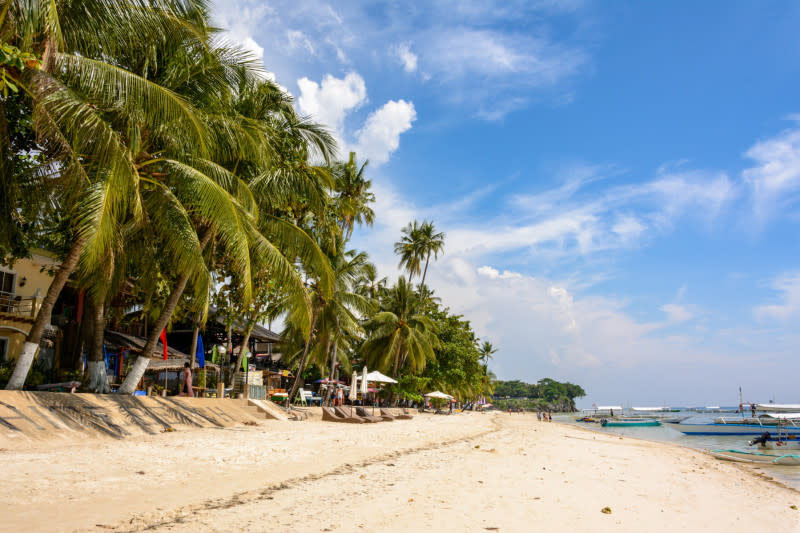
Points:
(466, 472)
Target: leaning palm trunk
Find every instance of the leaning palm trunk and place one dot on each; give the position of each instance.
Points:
(31, 346)
(243, 347)
(328, 349)
(303, 360)
(96, 364)
(141, 363)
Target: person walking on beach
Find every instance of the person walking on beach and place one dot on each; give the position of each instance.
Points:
(187, 381)
(539, 416)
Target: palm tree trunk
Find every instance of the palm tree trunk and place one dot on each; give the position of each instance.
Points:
(243, 347)
(96, 361)
(31, 345)
(303, 360)
(140, 365)
(424, 273)
(328, 347)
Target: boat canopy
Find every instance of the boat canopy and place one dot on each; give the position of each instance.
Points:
(608, 407)
(784, 416)
(779, 407)
(650, 409)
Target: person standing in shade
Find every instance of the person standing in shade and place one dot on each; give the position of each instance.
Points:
(187, 381)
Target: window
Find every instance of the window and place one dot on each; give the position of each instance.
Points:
(3, 348)
(7, 280)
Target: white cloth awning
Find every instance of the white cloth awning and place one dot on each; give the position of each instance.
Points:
(649, 409)
(608, 407)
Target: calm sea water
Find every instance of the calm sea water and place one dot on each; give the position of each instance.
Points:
(790, 475)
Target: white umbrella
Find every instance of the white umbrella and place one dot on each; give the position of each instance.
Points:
(377, 377)
(353, 395)
(437, 394)
(364, 383)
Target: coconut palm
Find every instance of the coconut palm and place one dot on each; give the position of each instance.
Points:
(409, 250)
(397, 337)
(353, 196)
(69, 91)
(486, 351)
(428, 241)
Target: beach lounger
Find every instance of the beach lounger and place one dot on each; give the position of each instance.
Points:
(380, 418)
(407, 414)
(344, 413)
(397, 417)
(329, 415)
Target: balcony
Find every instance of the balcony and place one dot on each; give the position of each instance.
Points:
(20, 306)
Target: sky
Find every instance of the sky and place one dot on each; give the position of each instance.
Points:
(618, 182)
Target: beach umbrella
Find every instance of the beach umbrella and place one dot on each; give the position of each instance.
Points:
(353, 395)
(377, 377)
(364, 385)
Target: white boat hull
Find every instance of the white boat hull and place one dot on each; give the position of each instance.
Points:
(790, 432)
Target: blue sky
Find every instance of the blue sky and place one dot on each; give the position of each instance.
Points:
(618, 181)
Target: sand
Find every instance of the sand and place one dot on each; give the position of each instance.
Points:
(465, 472)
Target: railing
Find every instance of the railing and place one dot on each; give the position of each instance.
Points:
(18, 305)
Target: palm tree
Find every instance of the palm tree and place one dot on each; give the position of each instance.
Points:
(397, 337)
(69, 92)
(409, 250)
(486, 351)
(354, 196)
(418, 242)
(428, 242)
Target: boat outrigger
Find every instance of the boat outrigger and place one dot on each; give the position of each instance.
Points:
(784, 459)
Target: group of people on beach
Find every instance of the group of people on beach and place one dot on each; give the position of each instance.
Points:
(544, 416)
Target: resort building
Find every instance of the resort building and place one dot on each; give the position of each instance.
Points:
(22, 288)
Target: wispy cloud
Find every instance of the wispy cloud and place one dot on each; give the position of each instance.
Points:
(775, 178)
(788, 306)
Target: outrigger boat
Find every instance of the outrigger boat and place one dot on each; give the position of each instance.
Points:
(597, 414)
(786, 459)
(787, 424)
(629, 422)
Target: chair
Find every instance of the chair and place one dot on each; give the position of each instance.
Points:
(329, 415)
(384, 412)
(407, 414)
(382, 418)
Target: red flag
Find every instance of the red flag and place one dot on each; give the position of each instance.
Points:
(163, 338)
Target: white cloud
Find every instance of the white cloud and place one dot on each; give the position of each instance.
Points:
(775, 180)
(407, 58)
(788, 285)
(241, 24)
(462, 52)
(493, 273)
(380, 135)
(329, 102)
(677, 313)
(299, 41)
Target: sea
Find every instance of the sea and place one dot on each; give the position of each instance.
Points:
(788, 475)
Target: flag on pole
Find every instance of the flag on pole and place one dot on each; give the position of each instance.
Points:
(215, 355)
(244, 361)
(163, 338)
(201, 352)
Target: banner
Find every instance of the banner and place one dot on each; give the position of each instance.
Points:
(163, 338)
(201, 352)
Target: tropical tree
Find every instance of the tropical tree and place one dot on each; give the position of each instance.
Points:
(353, 196)
(397, 337)
(409, 250)
(68, 92)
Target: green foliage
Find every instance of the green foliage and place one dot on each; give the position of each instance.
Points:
(547, 394)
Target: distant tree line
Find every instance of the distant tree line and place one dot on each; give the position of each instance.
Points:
(547, 394)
